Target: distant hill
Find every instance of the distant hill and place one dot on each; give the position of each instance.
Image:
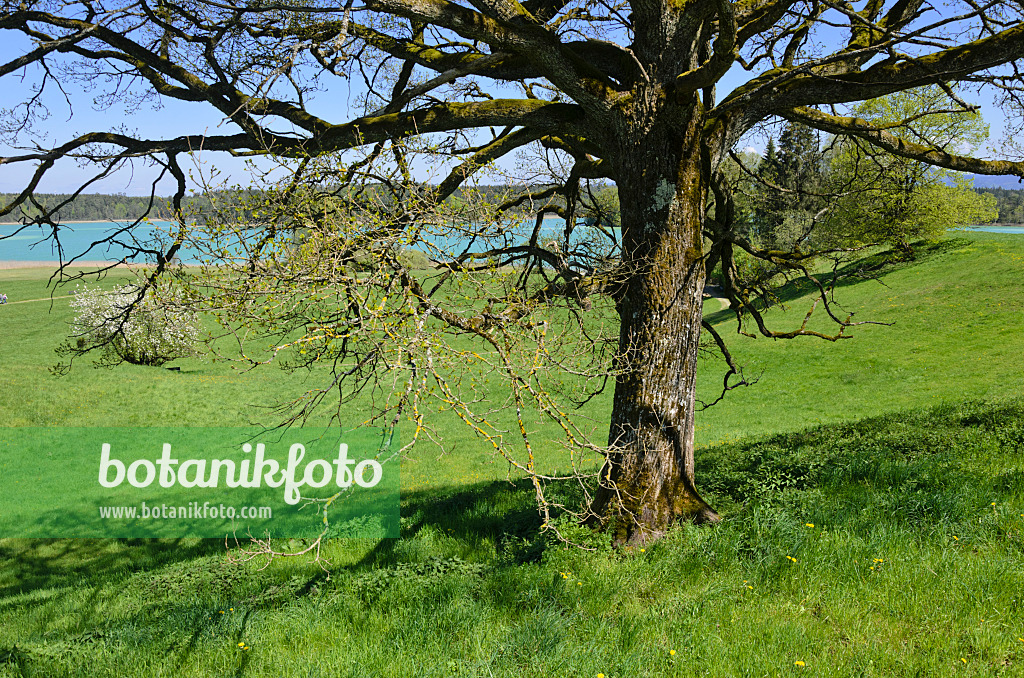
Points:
(1009, 201)
(119, 207)
(986, 181)
(92, 207)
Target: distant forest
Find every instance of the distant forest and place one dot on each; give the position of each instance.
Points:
(96, 207)
(101, 207)
(1010, 202)
(117, 207)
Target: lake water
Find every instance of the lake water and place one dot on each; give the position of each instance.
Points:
(76, 239)
(31, 244)
(80, 240)
(1019, 230)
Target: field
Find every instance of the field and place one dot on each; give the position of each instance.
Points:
(872, 489)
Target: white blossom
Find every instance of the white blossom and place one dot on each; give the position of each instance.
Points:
(132, 326)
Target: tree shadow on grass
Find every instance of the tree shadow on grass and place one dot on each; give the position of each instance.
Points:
(908, 469)
(873, 267)
(917, 467)
(28, 565)
(498, 512)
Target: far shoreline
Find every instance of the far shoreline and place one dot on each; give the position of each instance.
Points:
(85, 221)
(13, 265)
(547, 216)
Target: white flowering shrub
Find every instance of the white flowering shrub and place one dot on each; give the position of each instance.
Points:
(127, 325)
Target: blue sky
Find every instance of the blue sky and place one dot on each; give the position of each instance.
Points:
(172, 118)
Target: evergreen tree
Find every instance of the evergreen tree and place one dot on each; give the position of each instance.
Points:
(769, 204)
(1009, 202)
(800, 167)
(784, 217)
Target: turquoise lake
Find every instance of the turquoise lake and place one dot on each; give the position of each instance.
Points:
(1019, 230)
(77, 240)
(85, 240)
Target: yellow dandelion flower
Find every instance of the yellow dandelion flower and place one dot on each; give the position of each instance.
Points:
(672, 652)
(222, 611)
(600, 675)
(241, 645)
(809, 524)
(750, 587)
(799, 663)
(956, 537)
(791, 558)
(963, 660)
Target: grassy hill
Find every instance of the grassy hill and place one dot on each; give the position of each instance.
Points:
(873, 492)
(954, 333)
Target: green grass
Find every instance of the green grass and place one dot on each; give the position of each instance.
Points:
(936, 496)
(903, 447)
(955, 333)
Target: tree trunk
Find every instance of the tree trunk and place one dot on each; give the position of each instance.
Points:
(648, 481)
(905, 250)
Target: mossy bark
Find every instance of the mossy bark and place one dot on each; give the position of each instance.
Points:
(647, 482)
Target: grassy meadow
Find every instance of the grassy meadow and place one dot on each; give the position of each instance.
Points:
(872, 493)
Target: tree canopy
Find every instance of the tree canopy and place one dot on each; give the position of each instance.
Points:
(584, 90)
(894, 199)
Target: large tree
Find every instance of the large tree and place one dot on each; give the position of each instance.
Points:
(618, 90)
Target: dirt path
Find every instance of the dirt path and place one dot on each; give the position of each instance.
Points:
(715, 292)
(710, 290)
(28, 301)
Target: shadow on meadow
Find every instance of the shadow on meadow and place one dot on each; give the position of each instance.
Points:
(32, 564)
(871, 267)
(916, 471)
(923, 470)
(919, 471)
(473, 531)
(935, 488)
(925, 474)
